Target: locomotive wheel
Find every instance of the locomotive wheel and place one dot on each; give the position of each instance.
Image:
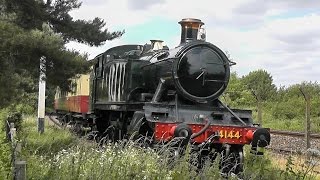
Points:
(101, 127)
(135, 124)
(232, 163)
(77, 128)
(139, 129)
(64, 120)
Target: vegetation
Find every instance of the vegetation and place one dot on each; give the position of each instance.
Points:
(283, 107)
(53, 141)
(260, 84)
(5, 148)
(71, 158)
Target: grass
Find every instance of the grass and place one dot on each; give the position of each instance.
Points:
(297, 163)
(51, 141)
(89, 162)
(295, 124)
(57, 154)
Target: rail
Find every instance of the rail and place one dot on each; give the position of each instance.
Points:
(55, 121)
(295, 134)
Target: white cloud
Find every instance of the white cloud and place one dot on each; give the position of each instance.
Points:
(287, 48)
(94, 51)
(143, 4)
(115, 13)
(279, 36)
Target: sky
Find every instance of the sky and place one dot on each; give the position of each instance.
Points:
(280, 36)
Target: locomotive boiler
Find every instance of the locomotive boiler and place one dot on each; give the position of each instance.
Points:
(165, 94)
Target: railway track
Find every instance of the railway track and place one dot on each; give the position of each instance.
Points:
(274, 132)
(72, 127)
(289, 142)
(294, 134)
(283, 142)
(55, 121)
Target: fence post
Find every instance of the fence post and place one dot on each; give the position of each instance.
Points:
(308, 107)
(13, 131)
(8, 131)
(307, 99)
(20, 170)
(19, 167)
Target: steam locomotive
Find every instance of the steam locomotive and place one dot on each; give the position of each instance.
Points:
(164, 93)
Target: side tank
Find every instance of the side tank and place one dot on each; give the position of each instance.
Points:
(116, 79)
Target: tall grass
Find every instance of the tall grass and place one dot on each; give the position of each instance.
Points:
(57, 154)
(51, 141)
(110, 162)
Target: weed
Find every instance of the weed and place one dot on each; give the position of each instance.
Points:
(57, 154)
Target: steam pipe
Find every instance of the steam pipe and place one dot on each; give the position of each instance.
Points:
(194, 135)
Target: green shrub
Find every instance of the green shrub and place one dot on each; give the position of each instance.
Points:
(26, 109)
(5, 148)
(259, 167)
(16, 118)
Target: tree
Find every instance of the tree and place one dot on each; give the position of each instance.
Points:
(236, 94)
(260, 84)
(30, 29)
(20, 53)
(31, 14)
(289, 101)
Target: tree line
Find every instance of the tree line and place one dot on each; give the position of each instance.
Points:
(257, 91)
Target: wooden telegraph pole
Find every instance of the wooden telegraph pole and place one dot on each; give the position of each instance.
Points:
(307, 99)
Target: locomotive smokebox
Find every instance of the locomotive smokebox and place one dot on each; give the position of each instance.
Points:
(189, 29)
(196, 70)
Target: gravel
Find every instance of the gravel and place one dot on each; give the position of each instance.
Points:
(294, 144)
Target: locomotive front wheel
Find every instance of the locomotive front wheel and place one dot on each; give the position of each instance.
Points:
(232, 162)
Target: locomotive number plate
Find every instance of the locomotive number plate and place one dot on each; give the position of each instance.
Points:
(229, 134)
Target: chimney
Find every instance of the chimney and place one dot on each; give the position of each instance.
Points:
(189, 29)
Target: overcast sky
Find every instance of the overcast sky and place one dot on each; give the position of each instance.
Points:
(281, 36)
